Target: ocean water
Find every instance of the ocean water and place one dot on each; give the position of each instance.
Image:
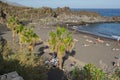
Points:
(103, 12)
(108, 30)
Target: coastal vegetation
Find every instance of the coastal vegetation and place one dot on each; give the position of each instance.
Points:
(12, 23)
(26, 64)
(61, 42)
(26, 36)
(91, 72)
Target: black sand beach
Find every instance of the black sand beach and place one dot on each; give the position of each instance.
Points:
(87, 48)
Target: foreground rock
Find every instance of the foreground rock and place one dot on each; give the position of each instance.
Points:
(11, 76)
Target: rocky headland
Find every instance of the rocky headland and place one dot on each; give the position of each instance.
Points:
(49, 16)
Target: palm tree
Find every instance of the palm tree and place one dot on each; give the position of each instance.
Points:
(33, 37)
(29, 38)
(69, 43)
(12, 23)
(20, 29)
(26, 36)
(60, 42)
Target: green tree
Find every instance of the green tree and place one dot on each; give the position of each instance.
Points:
(12, 23)
(20, 29)
(60, 42)
(29, 38)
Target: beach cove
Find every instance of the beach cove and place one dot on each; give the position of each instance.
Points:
(51, 44)
(87, 49)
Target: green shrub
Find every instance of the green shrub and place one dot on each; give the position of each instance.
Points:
(29, 67)
(77, 74)
(117, 72)
(93, 73)
(115, 75)
(88, 72)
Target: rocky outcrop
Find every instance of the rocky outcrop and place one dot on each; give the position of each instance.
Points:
(46, 15)
(2, 44)
(11, 76)
(2, 16)
(65, 10)
(88, 14)
(116, 18)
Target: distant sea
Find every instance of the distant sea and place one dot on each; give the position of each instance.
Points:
(103, 12)
(108, 30)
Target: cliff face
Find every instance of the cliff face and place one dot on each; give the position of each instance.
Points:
(25, 12)
(32, 13)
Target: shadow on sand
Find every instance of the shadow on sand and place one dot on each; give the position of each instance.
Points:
(1, 33)
(67, 56)
(41, 50)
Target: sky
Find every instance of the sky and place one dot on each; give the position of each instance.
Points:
(70, 3)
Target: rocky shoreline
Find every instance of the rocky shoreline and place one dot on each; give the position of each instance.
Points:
(49, 16)
(67, 20)
(75, 20)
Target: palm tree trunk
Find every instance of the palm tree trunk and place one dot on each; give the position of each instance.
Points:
(20, 46)
(30, 48)
(13, 35)
(20, 43)
(60, 61)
